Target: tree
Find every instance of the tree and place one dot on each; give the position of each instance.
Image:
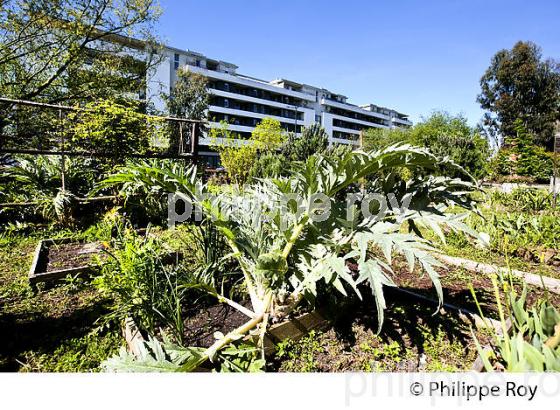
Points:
(268, 135)
(313, 140)
(376, 138)
(75, 50)
(188, 99)
(522, 159)
(445, 135)
(70, 52)
(519, 84)
(239, 156)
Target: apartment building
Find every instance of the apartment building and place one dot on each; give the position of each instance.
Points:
(243, 101)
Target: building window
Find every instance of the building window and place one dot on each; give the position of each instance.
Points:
(176, 61)
(226, 103)
(318, 119)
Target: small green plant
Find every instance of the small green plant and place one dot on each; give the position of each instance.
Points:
(522, 199)
(83, 354)
(300, 355)
(532, 343)
(143, 285)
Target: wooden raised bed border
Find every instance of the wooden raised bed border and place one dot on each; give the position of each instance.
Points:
(301, 325)
(293, 329)
(551, 284)
(35, 276)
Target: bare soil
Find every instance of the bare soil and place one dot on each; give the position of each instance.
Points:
(455, 284)
(71, 255)
(201, 324)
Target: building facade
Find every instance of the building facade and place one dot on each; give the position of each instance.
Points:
(243, 101)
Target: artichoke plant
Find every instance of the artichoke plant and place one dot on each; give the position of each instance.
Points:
(289, 235)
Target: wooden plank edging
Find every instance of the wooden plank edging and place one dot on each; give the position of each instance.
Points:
(294, 329)
(35, 277)
(551, 284)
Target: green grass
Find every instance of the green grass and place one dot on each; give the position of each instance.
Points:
(55, 329)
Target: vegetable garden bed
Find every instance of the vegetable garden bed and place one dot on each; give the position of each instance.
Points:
(344, 328)
(202, 326)
(413, 339)
(56, 258)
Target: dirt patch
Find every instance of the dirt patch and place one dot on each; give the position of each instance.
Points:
(201, 324)
(412, 339)
(71, 255)
(455, 286)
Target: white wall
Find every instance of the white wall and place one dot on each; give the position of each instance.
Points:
(158, 82)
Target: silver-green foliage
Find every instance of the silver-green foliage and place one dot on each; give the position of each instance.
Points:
(284, 255)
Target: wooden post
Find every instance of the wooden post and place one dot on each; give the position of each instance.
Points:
(555, 165)
(62, 157)
(181, 143)
(194, 140)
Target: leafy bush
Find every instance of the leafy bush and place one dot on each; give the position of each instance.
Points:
(239, 157)
(445, 136)
(313, 140)
(523, 199)
(523, 158)
(39, 179)
(269, 165)
(143, 284)
(112, 127)
(511, 231)
(288, 257)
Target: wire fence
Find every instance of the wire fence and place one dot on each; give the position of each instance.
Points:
(28, 127)
(31, 129)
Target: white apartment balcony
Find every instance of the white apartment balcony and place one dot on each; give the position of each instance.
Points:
(401, 121)
(205, 140)
(348, 107)
(360, 122)
(344, 141)
(232, 127)
(250, 83)
(250, 114)
(346, 130)
(241, 97)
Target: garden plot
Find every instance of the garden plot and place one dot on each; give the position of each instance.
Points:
(57, 258)
(413, 339)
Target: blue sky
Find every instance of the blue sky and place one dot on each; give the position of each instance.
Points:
(414, 56)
